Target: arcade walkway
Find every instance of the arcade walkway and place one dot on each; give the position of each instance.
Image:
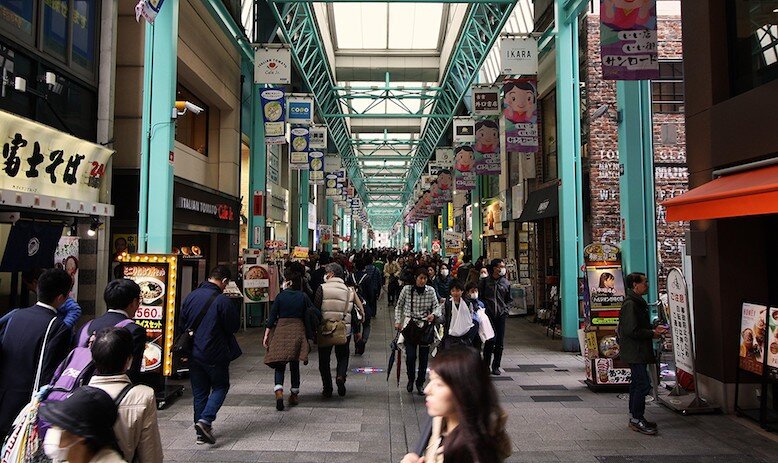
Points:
(553, 417)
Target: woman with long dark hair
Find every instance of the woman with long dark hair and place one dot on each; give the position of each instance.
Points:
(468, 424)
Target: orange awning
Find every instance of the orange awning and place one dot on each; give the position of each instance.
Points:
(752, 192)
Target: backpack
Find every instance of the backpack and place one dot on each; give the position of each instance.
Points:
(78, 367)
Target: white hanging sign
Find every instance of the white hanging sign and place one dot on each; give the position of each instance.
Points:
(318, 138)
(272, 65)
(519, 56)
(680, 320)
(464, 131)
(445, 156)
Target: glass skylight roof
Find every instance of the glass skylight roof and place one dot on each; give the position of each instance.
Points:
(404, 26)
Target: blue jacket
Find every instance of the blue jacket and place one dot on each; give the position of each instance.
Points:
(214, 339)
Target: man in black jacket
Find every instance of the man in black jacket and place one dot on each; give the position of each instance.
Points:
(22, 338)
(122, 297)
(636, 348)
(214, 348)
(495, 292)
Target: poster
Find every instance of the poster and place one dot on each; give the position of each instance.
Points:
(492, 216)
(680, 321)
(486, 101)
(66, 258)
(256, 282)
(464, 130)
(316, 167)
(325, 234)
(606, 287)
(628, 40)
(332, 162)
(453, 242)
(124, 242)
(272, 65)
(519, 56)
(772, 344)
(155, 274)
(753, 332)
(273, 109)
(520, 110)
(299, 109)
(298, 140)
(487, 147)
(319, 137)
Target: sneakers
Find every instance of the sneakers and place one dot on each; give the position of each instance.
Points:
(200, 440)
(204, 432)
(643, 427)
(359, 347)
(341, 382)
(280, 400)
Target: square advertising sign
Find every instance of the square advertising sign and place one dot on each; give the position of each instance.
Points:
(486, 101)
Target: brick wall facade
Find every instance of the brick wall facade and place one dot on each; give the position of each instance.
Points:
(671, 173)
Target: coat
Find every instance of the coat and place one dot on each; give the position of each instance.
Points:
(635, 331)
(107, 455)
(287, 343)
(21, 339)
(111, 319)
(214, 339)
(136, 428)
(496, 295)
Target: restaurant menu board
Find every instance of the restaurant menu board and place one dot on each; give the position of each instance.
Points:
(606, 286)
(156, 313)
(753, 332)
(772, 344)
(680, 321)
(256, 282)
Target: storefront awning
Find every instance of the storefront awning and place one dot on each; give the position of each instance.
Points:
(541, 204)
(753, 192)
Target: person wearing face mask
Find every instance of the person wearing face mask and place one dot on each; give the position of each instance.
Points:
(485, 331)
(417, 303)
(136, 429)
(82, 428)
(495, 292)
(442, 283)
(474, 274)
(214, 348)
(459, 325)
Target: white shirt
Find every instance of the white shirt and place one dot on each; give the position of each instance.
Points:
(119, 311)
(50, 307)
(461, 319)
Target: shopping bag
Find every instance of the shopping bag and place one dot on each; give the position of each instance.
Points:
(485, 329)
(23, 443)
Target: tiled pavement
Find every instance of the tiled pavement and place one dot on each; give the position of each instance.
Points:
(553, 417)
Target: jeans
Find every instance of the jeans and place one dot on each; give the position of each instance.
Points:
(495, 345)
(366, 325)
(639, 388)
(341, 357)
(410, 362)
(210, 384)
(294, 371)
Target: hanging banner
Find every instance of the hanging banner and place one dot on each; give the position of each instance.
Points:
(486, 101)
(148, 9)
(628, 40)
(316, 167)
(446, 183)
(299, 109)
(521, 115)
(487, 147)
(753, 332)
(319, 138)
(272, 65)
(453, 242)
(445, 156)
(464, 160)
(298, 156)
(325, 234)
(680, 321)
(519, 56)
(331, 189)
(331, 162)
(273, 109)
(464, 130)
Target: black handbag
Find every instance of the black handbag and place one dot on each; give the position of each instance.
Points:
(184, 344)
(418, 335)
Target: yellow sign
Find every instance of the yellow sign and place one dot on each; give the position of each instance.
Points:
(300, 252)
(44, 161)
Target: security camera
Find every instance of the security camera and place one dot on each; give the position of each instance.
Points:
(183, 106)
(193, 107)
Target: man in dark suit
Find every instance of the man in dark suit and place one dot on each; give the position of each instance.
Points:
(122, 297)
(21, 345)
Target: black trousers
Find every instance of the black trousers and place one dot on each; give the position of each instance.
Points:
(341, 358)
(639, 388)
(495, 345)
(412, 351)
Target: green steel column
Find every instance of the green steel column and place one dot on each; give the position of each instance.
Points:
(636, 187)
(155, 211)
(477, 224)
(257, 169)
(569, 149)
(328, 221)
(303, 192)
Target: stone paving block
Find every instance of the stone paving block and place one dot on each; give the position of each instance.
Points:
(308, 446)
(255, 444)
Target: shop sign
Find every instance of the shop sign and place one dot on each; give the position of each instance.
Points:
(436, 247)
(680, 321)
(332, 162)
(311, 216)
(124, 242)
(147, 9)
(517, 200)
(278, 203)
(31, 245)
(256, 280)
(275, 245)
(520, 110)
(273, 115)
(486, 101)
(628, 40)
(156, 276)
(519, 56)
(221, 211)
(319, 137)
(300, 252)
(299, 109)
(753, 333)
(453, 242)
(492, 217)
(606, 287)
(316, 167)
(44, 161)
(445, 156)
(66, 258)
(464, 130)
(299, 140)
(273, 65)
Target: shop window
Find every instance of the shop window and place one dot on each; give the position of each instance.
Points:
(667, 92)
(64, 30)
(753, 30)
(548, 123)
(191, 128)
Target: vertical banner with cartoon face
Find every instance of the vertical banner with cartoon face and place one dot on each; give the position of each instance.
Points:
(628, 39)
(520, 110)
(464, 168)
(273, 110)
(298, 150)
(487, 147)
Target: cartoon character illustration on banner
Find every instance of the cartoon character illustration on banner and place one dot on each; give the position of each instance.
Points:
(487, 136)
(520, 102)
(628, 14)
(445, 180)
(464, 157)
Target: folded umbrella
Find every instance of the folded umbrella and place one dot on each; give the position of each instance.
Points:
(394, 348)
